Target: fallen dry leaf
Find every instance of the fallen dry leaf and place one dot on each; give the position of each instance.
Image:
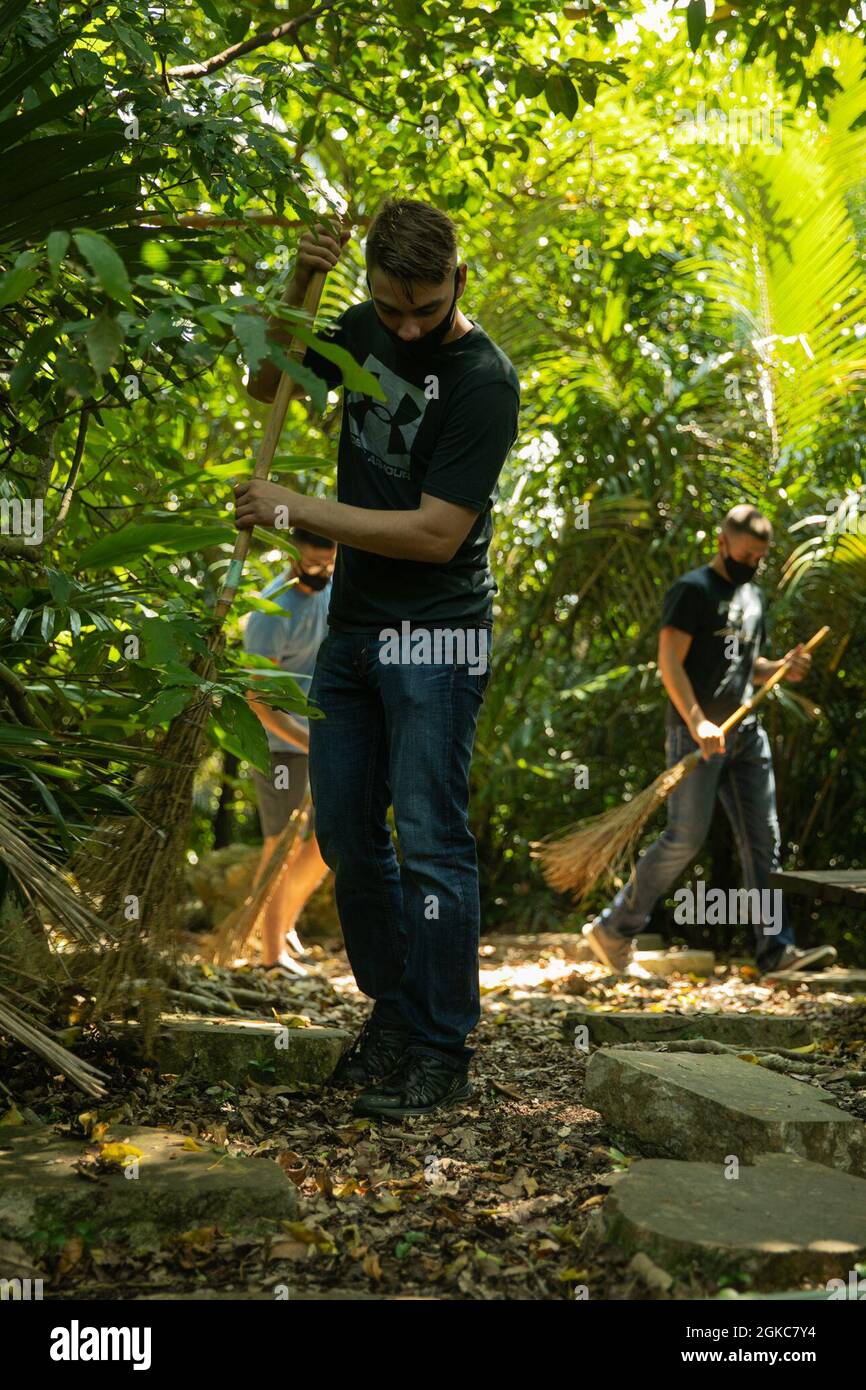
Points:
(595, 1201)
(290, 1250)
(371, 1266)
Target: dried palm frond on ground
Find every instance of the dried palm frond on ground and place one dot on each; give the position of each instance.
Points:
(40, 880)
(85, 1076)
(48, 893)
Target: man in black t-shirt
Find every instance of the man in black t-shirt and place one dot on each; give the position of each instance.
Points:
(713, 627)
(402, 673)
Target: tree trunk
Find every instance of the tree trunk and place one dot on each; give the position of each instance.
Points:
(223, 821)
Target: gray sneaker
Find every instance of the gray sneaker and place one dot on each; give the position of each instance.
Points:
(616, 952)
(791, 961)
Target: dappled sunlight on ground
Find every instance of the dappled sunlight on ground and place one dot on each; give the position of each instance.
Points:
(488, 1200)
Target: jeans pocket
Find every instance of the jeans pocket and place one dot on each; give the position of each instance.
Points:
(481, 679)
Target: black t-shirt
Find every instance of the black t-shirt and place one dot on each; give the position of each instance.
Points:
(445, 428)
(728, 627)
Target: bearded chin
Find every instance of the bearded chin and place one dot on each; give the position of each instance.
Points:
(313, 581)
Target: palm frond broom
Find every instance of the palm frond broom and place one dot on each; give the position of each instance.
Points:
(231, 934)
(575, 860)
(132, 867)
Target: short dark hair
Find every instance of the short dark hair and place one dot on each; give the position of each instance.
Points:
(310, 538)
(412, 241)
(746, 520)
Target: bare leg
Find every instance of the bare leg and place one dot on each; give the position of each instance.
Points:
(305, 869)
(270, 942)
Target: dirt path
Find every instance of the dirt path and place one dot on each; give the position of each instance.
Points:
(486, 1201)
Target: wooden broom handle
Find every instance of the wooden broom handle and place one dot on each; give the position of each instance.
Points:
(767, 685)
(266, 450)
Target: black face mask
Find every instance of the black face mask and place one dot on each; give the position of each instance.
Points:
(419, 347)
(738, 572)
(313, 581)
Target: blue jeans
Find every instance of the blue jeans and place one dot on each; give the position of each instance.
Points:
(401, 735)
(743, 781)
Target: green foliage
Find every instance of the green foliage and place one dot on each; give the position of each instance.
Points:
(654, 294)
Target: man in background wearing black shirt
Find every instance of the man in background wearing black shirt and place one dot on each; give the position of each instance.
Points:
(713, 627)
(403, 670)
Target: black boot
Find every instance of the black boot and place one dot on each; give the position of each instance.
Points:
(421, 1083)
(375, 1052)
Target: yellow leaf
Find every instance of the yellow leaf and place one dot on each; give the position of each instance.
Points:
(293, 1020)
(13, 1116)
(810, 1047)
(118, 1153)
(309, 1235)
(191, 1146)
(748, 1057)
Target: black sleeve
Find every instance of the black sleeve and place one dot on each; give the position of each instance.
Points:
(683, 607)
(479, 429)
(322, 366)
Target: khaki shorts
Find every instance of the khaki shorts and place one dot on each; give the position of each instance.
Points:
(276, 803)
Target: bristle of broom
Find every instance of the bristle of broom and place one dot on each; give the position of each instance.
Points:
(132, 868)
(230, 935)
(599, 847)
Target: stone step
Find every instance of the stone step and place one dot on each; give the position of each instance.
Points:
(741, 1029)
(693, 1106)
(683, 962)
(570, 944)
(823, 981)
(234, 1049)
(817, 1295)
(779, 1220)
(169, 1190)
(649, 941)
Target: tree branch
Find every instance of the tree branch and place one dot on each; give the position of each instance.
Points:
(239, 50)
(19, 700)
(74, 469)
(15, 545)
